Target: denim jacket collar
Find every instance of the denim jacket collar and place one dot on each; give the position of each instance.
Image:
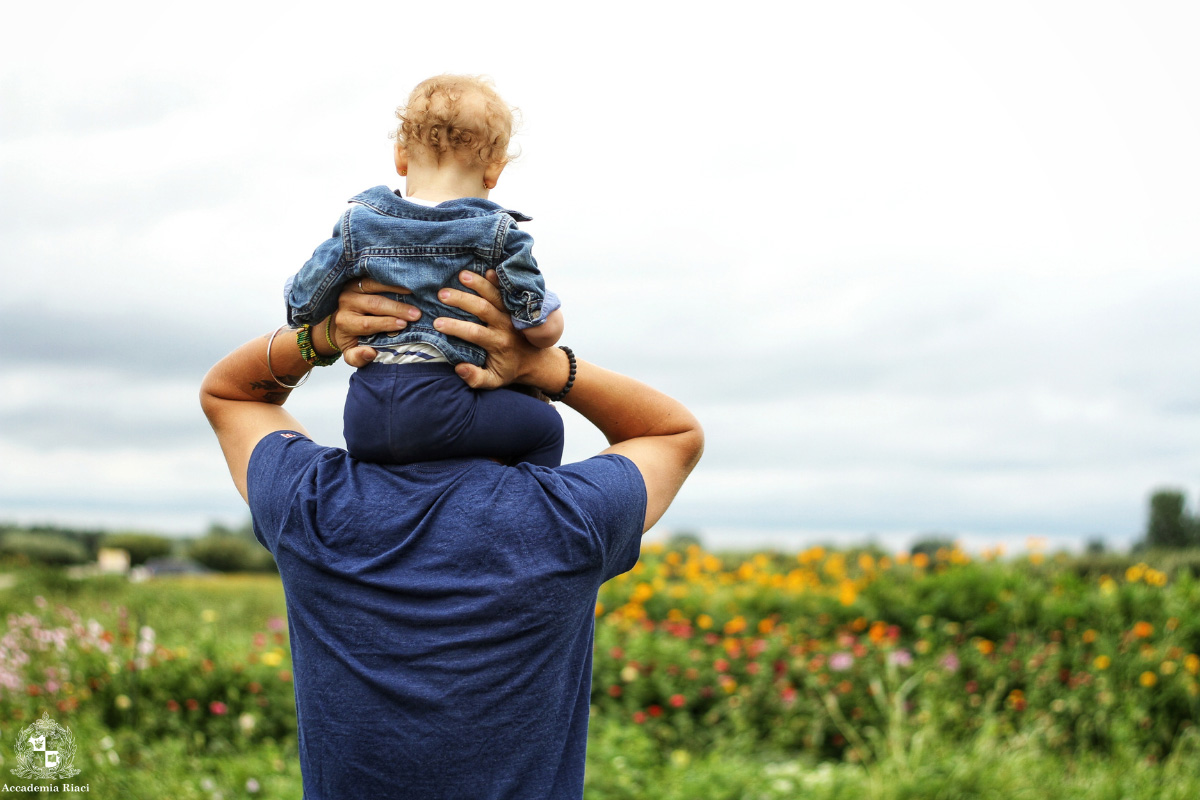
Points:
(385, 201)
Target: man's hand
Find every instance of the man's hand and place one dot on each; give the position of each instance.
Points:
(362, 311)
(510, 356)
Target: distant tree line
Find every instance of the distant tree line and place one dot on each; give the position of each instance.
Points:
(1168, 524)
(221, 548)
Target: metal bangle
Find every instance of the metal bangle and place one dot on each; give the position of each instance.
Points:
(270, 342)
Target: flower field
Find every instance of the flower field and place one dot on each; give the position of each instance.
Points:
(818, 674)
(842, 656)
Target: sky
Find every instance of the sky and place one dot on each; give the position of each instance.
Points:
(925, 267)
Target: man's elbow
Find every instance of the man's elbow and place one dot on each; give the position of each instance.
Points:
(693, 445)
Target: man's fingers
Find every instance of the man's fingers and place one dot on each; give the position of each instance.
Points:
(359, 356)
(475, 377)
(487, 338)
(372, 286)
(488, 289)
(377, 305)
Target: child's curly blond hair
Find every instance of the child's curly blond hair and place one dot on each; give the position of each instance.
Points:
(458, 114)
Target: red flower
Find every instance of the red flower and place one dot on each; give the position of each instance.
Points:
(191, 704)
(655, 711)
(752, 668)
(639, 717)
(254, 687)
(677, 700)
(218, 708)
(172, 705)
(721, 665)
(616, 654)
(614, 691)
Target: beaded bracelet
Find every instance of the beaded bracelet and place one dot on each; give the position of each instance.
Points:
(308, 352)
(570, 378)
(328, 336)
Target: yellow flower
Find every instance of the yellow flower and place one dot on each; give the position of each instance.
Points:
(704, 621)
(1135, 573)
(1148, 679)
(599, 609)
(1168, 667)
(1191, 663)
(122, 701)
(629, 673)
(1102, 662)
(272, 659)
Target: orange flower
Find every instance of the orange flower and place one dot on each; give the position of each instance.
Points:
(1147, 679)
(1089, 636)
(1142, 630)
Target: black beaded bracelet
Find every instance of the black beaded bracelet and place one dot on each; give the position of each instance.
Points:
(570, 378)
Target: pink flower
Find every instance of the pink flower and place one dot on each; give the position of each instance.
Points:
(218, 708)
(840, 662)
(275, 623)
(950, 662)
(901, 658)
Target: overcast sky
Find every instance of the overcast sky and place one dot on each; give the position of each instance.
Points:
(916, 266)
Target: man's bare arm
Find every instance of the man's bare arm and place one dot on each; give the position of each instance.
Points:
(243, 401)
(653, 430)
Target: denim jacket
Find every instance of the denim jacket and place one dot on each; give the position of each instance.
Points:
(385, 237)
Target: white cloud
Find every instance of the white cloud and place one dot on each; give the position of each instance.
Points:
(928, 263)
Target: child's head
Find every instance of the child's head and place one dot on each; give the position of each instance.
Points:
(455, 116)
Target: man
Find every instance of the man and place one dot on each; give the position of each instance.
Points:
(441, 614)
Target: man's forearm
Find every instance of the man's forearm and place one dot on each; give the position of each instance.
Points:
(245, 374)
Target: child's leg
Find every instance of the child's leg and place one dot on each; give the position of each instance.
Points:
(514, 427)
(399, 414)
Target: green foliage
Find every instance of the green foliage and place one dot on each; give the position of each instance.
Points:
(141, 546)
(230, 553)
(824, 675)
(42, 548)
(930, 543)
(1168, 525)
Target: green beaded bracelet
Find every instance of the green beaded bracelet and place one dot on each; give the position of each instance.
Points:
(308, 352)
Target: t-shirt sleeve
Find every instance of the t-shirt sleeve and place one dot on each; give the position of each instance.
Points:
(610, 492)
(279, 462)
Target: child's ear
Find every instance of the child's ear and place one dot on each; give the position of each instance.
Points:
(401, 156)
(491, 175)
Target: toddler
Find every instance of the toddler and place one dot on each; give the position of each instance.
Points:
(409, 404)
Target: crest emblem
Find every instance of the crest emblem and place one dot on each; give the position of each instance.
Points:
(45, 750)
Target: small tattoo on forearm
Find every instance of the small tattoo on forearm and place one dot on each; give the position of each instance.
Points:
(272, 392)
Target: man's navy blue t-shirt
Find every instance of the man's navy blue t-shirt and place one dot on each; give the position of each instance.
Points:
(441, 615)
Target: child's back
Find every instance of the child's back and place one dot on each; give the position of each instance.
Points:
(409, 405)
